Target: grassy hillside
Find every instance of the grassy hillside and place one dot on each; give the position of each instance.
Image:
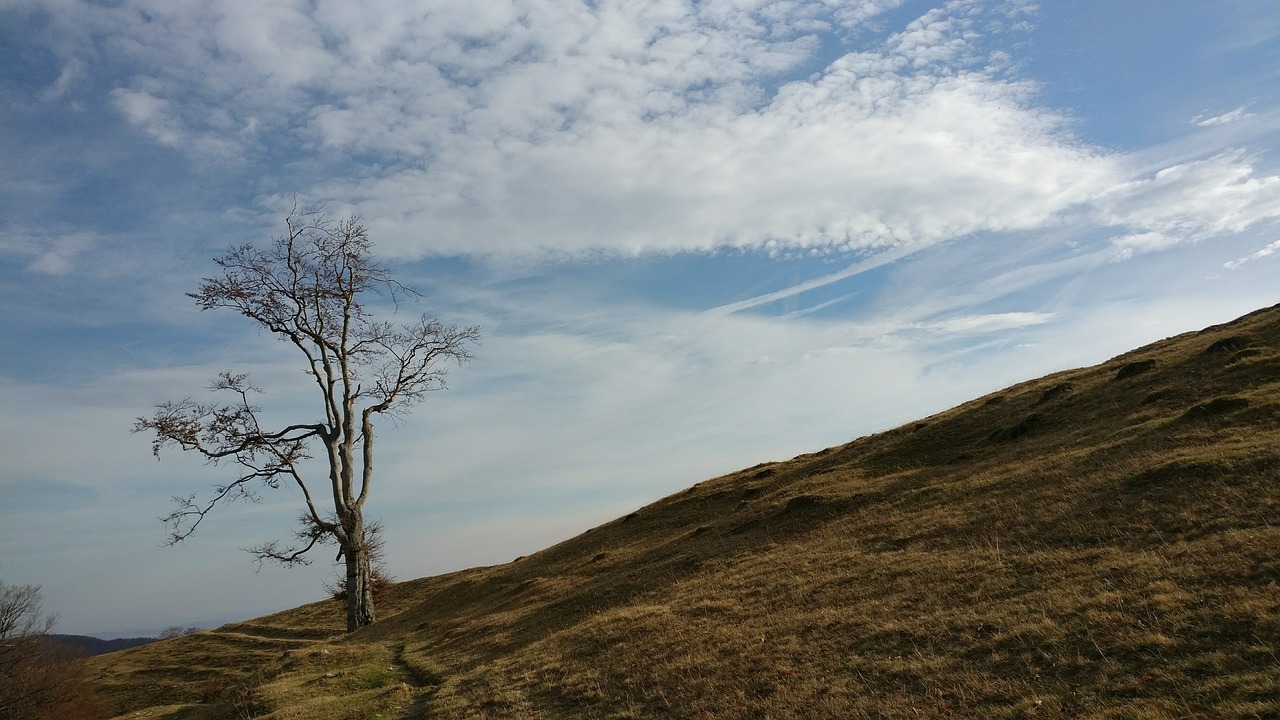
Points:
(1101, 542)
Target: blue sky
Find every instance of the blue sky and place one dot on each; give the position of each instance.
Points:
(697, 235)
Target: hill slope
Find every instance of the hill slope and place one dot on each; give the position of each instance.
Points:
(1100, 542)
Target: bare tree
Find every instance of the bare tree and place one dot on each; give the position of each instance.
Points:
(39, 678)
(20, 614)
(311, 288)
(177, 631)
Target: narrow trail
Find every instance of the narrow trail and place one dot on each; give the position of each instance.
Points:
(416, 680)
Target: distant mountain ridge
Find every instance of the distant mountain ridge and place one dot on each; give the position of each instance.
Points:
(89, 645)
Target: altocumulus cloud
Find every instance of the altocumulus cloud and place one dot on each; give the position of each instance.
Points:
(536, 126)
(527, 127)
(641, 135)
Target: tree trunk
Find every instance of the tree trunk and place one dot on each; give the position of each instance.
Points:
(359, 578)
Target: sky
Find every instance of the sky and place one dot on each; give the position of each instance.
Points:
(696, 236)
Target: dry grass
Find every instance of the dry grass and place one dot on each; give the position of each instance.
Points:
(1100, 543)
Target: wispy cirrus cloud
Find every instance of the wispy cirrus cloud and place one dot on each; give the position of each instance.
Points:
(1206, 120)
(991, 322)
(1268, 250)
(48, 254)
(1189, 202)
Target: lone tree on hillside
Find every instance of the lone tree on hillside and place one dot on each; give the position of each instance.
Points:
(310, 288)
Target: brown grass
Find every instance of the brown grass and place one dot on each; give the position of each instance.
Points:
(1099, 543)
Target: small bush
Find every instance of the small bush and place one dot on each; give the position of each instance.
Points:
(174, 631)
(380, 580)
(1135, 368)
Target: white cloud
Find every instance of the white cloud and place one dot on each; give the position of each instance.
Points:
(537, 126)
(163, 120)
(859, 158)
(47, 254)
(1239, 113)
(1189, 202)
(278, 40)
(992, 322)
(534, 127)
(1136, 243)
(1266, 251)
(154, 115)
(70, 74)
